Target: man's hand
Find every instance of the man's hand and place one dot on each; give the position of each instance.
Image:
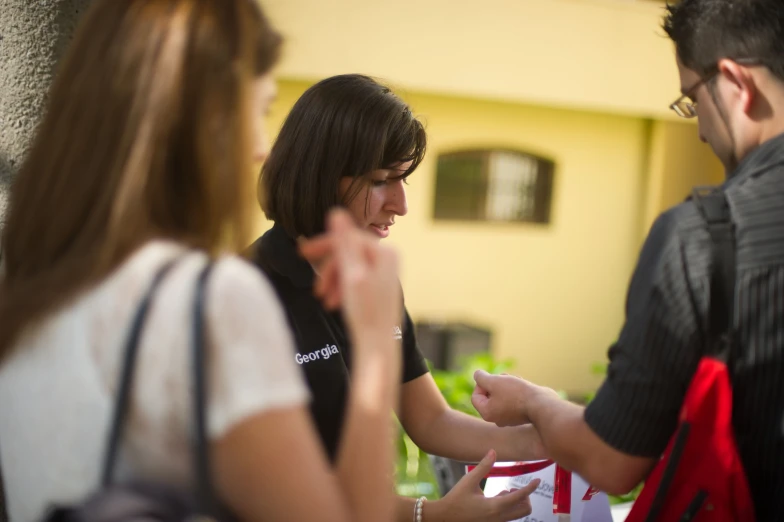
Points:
(503, 399)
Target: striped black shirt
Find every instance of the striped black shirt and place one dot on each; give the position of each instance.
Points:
(653, 361)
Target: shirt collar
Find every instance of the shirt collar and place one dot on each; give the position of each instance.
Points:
(757, 161)
(278, 252)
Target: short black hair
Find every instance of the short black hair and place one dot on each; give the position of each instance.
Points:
(706, 31)
(343, 126)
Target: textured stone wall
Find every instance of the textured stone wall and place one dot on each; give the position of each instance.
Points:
(33, 34)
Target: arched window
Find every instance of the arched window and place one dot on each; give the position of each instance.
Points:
(493, 185)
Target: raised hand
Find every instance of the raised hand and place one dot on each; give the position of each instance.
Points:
(356, 273)
(466, 502)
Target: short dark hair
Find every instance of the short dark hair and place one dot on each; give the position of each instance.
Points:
(343, 126)
(705, 31)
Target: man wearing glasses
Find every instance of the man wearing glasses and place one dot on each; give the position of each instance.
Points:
(730, 56)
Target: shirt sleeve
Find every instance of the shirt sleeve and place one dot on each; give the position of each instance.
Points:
(252, 367)
(414, 364)
(651, 364)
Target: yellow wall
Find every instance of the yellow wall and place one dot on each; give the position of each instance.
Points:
(553, 295)
(586, 83)
(607, 55)
(678, 162)
(288, 93)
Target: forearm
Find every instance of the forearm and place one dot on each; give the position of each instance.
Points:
(365, 456)
(571, 442)
(560, 424)
(461, 437)
(520, 443)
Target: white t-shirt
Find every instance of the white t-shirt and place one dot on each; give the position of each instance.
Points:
(57, 388)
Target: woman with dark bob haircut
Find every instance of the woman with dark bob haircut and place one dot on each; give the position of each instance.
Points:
(135, 182)
(350, 142)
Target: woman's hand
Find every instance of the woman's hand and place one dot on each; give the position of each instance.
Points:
(358, 274)
(361, 276)
(466, 501)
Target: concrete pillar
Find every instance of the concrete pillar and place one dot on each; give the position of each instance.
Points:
(33, 34)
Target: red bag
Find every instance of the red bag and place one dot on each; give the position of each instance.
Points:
(700, 477)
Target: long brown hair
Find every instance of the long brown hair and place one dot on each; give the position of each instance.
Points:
(146, 135)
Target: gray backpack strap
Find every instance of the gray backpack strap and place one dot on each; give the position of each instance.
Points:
(716, 212)
(3, 509)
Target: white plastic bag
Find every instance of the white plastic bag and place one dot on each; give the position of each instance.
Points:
(561, 496)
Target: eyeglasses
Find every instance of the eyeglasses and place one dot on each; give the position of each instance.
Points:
(686, 105)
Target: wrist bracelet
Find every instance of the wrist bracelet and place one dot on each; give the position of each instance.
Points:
(418, 509)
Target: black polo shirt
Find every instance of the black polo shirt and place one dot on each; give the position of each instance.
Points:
(654, 359)
(323, 346)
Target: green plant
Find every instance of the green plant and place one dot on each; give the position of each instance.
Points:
(457, 386)
(599, 369)
(629, 497)
(415, 474)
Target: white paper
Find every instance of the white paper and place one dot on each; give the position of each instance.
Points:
(597, 509)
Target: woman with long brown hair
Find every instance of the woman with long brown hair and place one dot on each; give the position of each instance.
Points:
(140, 162)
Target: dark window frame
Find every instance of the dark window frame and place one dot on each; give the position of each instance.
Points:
(476, 212)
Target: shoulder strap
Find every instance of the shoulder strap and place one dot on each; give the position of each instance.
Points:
(715, 210)
(205, 498)
(127, 372)
(204, 491)
(3, 508)
(714, 207)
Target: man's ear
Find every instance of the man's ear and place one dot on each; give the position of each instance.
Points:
(740, 82)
